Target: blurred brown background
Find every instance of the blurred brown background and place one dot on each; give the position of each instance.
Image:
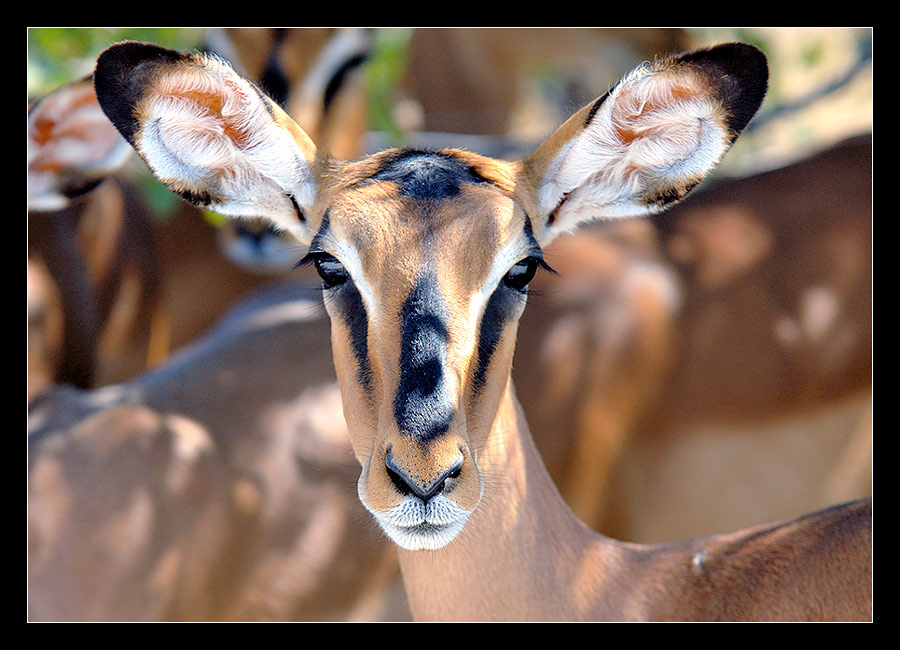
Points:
(685, 376)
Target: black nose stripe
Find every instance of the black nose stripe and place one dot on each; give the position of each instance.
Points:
(423, 406)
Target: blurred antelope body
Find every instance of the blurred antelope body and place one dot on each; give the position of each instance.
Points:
(72, 148)
(198, 491)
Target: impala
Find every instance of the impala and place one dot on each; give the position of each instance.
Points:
(425, 259)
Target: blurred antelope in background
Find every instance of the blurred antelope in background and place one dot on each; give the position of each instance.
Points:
(75, 276)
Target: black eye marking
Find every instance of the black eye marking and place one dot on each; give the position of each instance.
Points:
(348, 305)
(500, 307)
(300, 216)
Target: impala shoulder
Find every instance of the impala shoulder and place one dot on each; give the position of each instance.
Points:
(791, 570)
(822, 532)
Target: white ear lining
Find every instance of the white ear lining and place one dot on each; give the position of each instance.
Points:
(654, 131)
(209, 132)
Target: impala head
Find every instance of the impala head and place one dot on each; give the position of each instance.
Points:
(425, 257)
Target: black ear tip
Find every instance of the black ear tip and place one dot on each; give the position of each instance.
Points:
(120, 71)
(741, 73)
(134, 52)
(735, 54)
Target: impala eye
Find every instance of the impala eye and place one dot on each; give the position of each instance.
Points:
(521, 274)
(330, 270)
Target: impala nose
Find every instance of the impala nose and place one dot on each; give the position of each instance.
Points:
(428, 484)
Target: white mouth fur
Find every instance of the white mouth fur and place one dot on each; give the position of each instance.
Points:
(416, 525)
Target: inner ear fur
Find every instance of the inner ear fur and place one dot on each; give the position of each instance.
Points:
(647, 142)
(209, 135)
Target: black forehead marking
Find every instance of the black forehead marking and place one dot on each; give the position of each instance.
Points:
(427, 175)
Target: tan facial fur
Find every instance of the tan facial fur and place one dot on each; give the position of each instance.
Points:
(394, 244)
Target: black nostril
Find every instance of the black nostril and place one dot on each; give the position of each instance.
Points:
(407, 485)
(398, 480)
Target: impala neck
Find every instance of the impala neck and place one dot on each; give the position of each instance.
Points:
(523, 555)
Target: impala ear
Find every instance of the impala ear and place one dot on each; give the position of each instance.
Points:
(71, 146)
(209, 135)
(646, 143)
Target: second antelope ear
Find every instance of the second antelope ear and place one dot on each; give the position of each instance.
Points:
(71, 146)
(647, 142)
(209, 135)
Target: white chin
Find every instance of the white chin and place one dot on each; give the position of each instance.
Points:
(424, 537)
(418, 526)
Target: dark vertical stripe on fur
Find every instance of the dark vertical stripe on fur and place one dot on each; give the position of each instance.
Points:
(353, 312)
(339, 78)
(421, 406)
(501, 304)
(273, 79)
(596, 107)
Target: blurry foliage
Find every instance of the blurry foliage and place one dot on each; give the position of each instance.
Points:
(57, 55)
(384, 72)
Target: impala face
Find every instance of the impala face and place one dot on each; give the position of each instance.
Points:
(418, 329)
(425, 257)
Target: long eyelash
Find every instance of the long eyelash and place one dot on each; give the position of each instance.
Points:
(308, 259)
(543, 265)
(537, 254)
